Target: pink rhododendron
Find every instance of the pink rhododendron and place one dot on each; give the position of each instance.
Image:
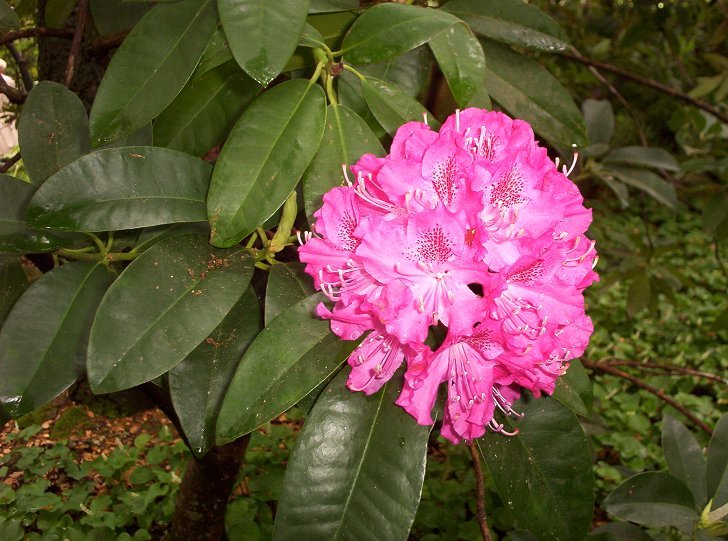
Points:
(473, 228)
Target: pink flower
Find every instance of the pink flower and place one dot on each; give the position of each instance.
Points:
(472, 228)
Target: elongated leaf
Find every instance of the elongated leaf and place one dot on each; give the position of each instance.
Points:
(57, 11)
(310, 37)
(205, 111)
(149, 236)
(391, 106)
(198, 384)
(264, 158)
(15, 235)
(551, 493)
(161, 308)
(619, 189)
(717, 470)
(43, 341)
(531, 93)
(140, 138)
(262, 34)
(599, 120)
(574, 389)
(293, 354)
(356, 471)
(643, 157)
(287, 285)
(639, 293)
(346, 138)
(8, 18)
(123, 188)
(389, 30)
(685, 458)
(111, 16)
(647, 181)
(461, 60)
(13, 282)
(618, 531)
(216, 53)
(326, 6)
(151, 67)
(512, 22)
(653, 499)
(52, 130)
(408, 72)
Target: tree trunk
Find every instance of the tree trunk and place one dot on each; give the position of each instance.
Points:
(199, 513)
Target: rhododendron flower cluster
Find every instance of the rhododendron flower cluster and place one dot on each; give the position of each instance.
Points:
(474, 229)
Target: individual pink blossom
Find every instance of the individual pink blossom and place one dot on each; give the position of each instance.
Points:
(474, 229)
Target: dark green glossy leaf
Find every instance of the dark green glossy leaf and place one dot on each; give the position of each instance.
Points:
(346, 138)
(653, 499)
(643, 157)
(350, 96)
(149, 236)
(619, 189)
(13, 282)
(462, 61)
(356, 471)
(123, 188)
(43, 341)
(287, 285)
(140, 138)
(685, 458)
(310, 37)
(544, 474)
(408, 72)
(151, 67)
(161, 308)
(717, 470)
(275, 139)
(512, 22)
(574, 389)
(332, 27)
(52, 130)
(599, 120)
(198, 384)
(57, 11)
(618, 531)
(531, 93)
(262, 34)
(391, 106)
(216, 53)
(15, 236)
(647, 181)
(326, 6)
(111, 16)
(389, 30)
(206, 110)
(639, 293)
(287, 360)
(8, 18)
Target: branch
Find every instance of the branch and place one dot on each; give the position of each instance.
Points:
(659, 393)
(647, 82)
(480, 509)
(9, 162)
(76, 43)
(37, 31)
(13, 94)
(668, 368)
(22, 66)
(104, 43)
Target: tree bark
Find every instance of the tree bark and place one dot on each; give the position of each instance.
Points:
(199, 513)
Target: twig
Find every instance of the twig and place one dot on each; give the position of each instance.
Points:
(480, 509)
(34, 32)
(22, 67)
(668, 368)
(8, 163)
(104, 43)
(77, 37)
(659, 393)
(649, 83)
(13, 94)
(719, 258)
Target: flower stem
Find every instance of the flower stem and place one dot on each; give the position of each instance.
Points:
(482, 522)
(330, 90)
(355, 72)
(317, 72)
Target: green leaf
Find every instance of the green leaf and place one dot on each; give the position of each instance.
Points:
(310, 37)
(717, 470)
(647, 181)
(275, 139)
(408, 72)
(531, 93)
(8, 18)
(149, 236)
(111, 16)
(57, 11)
(391, 106)
(388, 30)
(346, 138)
(13, 282)
(654, 499)
(462, 61)
(512, 22)
(618, 531)
(217, 52)
(15, 236)
(639, 293)
(198, 384)
(685, 458)
(619, 189)
(643, 157)
(327, 6)
(52, 130)
(574, 389)
(262, 34)
(543, 474)
(287, 360)
(356, 471)
(151, 67)
(123, 188)
(599, 120)
(140, 138)
(161, 308)
(287, 285)
(43, 341)
(206, 110)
